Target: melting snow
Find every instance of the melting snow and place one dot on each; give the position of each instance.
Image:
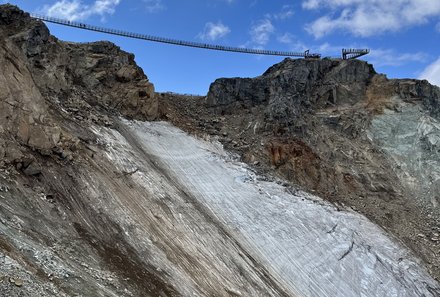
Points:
(305, 243)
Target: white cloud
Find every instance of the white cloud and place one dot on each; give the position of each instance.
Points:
(285, 13)
(286, 38)
(327, 49)
(261, 32)
(153, 6)
(370, 17)
(389, 57)
(311, 4)
(73, 10)
(432, 73)
(293, 43)
(214, 31)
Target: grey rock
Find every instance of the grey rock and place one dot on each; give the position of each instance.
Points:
(338, 128)
(126, 74)
(294, 88)
(412, 89)
(2, 149)
(16, 281)
(99, 73)
(32, 169)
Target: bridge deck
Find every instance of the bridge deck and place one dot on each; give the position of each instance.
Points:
(83, 26)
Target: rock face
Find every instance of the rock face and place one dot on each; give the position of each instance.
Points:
(337, 128)
(346, 97)
(294, 88)
(80, 76)
(40, 72)
(24, 116)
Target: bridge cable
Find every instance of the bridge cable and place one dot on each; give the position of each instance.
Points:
(83, 26)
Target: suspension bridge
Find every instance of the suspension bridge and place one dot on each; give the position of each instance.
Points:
(346, 53)
(353, 53)
(83, 26)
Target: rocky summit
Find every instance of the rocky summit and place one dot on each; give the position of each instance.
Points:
(320, 177)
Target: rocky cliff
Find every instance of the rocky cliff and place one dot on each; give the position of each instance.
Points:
(97, 201)
(93, 74)
(294, 88)
(348, 99)
(337, 128)
(42, 75)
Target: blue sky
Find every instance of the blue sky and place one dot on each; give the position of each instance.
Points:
(403, 35)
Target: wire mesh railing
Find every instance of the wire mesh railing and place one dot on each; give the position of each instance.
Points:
(83, 26)
(353, 53)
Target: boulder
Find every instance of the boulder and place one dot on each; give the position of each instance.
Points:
(32, 169)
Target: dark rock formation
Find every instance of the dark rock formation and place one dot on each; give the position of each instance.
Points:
(294, 88)
(80, 75)
(41, 74)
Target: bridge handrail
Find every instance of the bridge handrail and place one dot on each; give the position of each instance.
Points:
(172, 41)
(353, 53)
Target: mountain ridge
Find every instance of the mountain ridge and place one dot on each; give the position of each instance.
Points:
(100, 199)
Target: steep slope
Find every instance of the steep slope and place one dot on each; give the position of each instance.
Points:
(93, 203)
(340, 130)
(309, 245)
(72, 222)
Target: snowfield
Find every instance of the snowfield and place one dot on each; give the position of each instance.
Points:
(307, 245)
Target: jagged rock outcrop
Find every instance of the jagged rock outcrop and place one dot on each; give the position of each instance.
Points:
(80, 75)
(39, 72)
(294, 88)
